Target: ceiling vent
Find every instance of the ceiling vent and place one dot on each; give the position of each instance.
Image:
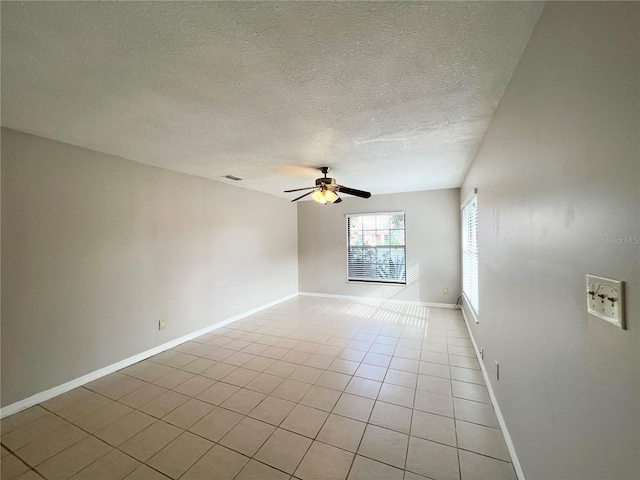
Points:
(232, 177)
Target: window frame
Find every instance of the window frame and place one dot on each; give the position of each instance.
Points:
(402, 282)
(470, 254)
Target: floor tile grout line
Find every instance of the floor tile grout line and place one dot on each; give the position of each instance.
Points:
(190, 466)
(486, 456)
(13, 454)
(406, 456)
(455, 427)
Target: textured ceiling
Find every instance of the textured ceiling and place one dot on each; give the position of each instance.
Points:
(394, 96)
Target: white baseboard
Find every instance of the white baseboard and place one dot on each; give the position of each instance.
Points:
(379, 300)
(78, 382)
(503, 425)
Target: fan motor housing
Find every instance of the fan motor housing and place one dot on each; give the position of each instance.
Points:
(326, 181)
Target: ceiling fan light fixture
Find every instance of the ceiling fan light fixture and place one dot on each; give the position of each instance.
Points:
(324, 196)
(319, 197)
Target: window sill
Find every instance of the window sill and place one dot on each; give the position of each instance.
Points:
(373, 282)
(467, 306)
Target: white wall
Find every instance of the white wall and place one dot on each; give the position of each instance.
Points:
(432, 236)
(558, 173)
(96, 249)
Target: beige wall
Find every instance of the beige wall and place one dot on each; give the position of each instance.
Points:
(96, 249)
(433, 246)
(558, 174)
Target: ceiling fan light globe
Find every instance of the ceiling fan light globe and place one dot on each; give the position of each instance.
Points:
(319, 197)
(330, 196)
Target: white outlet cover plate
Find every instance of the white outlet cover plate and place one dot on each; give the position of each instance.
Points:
(599, 292)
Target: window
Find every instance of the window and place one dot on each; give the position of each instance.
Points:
(470, 251)
(376, 249)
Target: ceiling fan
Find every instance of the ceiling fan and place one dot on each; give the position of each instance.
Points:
(326, 190)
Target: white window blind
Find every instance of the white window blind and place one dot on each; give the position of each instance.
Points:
(470, 251)
(376, 250)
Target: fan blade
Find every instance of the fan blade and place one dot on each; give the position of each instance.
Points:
(353, 191)
(338, 200)
(302, 196)
(298, 189)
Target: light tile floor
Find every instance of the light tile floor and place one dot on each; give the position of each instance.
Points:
(313, 388)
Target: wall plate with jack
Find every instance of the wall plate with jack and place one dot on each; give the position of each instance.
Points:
(605, 299)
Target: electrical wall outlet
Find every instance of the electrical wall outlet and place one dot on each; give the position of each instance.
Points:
(482, 353)
(605, 299)
(445, 290)
(161, 324)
